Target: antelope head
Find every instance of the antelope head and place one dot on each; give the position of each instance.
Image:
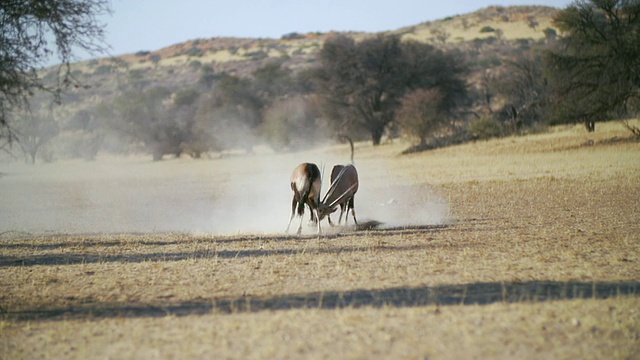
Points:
(344, 185)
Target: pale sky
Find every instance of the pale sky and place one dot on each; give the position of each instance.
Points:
(153, 24)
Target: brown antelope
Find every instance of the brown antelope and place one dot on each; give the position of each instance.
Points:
(305, 183)
(344, 185)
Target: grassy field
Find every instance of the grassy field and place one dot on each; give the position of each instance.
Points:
(523, 247)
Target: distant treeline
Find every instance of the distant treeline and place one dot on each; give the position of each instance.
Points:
(374, 89)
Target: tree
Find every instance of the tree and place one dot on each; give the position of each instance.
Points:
(145, 118)
(419, 115)
(183, 111)
(34, 128)
(290, 124)
(232, 114)
(89, 132)
(526, 92)
(33, 31)
(364, 82)
(272, 81)
(232, 90)
(596, 67)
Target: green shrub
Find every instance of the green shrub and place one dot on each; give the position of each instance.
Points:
(155, 58)
(487, 29)
(524, 44)
(292, 36)
(485, 128)
(195, 52)
(257, 55)
(103, 69)
(478, 42)
(490, 62)
(135, 74)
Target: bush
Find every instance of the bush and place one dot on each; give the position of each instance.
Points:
(257, 55)
(103, 69)
(550, 34)
(487, 29)
(419, 116)
(135, 74)
(155, 59)
(195, 52)
(524, 44)
(485, 128)
(479, 42)
(292, 36)
(490, 62)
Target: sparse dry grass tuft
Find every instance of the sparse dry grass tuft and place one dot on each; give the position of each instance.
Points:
(537, 256)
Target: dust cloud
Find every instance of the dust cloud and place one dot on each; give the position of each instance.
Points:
(244, 194)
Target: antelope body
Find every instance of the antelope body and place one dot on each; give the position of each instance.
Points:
(344, 185)
(305, 183)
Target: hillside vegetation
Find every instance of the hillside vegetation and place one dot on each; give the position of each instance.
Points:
(219, 94)
(243, 56)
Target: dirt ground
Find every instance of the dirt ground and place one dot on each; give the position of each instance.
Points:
(522, 247)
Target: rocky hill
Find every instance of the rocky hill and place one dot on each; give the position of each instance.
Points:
(484, 40)
(182, 64)
(509, 23)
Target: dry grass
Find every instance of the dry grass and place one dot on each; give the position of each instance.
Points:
(513, 22)
(536, 255)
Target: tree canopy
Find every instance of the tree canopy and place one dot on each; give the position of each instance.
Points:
(363, 82)
(596, 67)
(32, 32)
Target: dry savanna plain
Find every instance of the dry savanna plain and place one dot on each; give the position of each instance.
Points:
(515, 248)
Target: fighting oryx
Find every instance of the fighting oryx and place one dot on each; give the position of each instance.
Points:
(344, 185)
(306, 183)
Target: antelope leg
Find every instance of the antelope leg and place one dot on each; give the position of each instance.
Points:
(300, 227)
(293, 209)
(318, 217)
(353, 211)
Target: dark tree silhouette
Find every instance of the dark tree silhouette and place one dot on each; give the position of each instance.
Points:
(31, 32)
(362, 82)
(596, 65)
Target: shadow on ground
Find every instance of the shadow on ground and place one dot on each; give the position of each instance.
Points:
(57, 253)
(443, 295)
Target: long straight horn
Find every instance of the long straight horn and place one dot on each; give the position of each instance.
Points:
(332, 187)
(344, 194)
